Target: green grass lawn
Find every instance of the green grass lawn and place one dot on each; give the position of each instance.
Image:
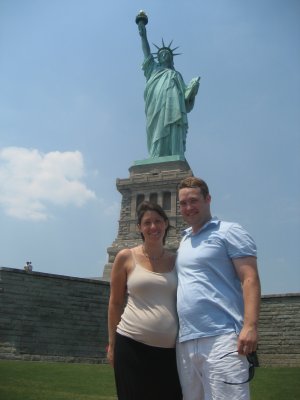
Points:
(276, 384)
(25, 380)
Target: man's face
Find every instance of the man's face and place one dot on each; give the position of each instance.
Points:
(194, 207)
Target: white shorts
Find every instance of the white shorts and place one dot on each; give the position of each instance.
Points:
(203, 369)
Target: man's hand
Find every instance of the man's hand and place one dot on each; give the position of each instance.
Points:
(247, 341)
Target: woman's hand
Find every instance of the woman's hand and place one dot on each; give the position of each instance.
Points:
(110, 355)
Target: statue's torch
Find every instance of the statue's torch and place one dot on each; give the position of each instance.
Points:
(141, 18)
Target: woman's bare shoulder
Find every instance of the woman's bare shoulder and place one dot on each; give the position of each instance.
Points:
(124, 255)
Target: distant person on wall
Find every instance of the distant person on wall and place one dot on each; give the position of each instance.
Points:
(218, 301)
(167, 98)
(142, 336)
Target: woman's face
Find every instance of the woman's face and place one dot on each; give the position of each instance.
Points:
(165, 58)
(153, 227)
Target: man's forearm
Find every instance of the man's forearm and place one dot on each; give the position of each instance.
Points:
(252, 295)
(248, 338)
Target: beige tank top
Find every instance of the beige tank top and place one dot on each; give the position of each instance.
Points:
(150, 314)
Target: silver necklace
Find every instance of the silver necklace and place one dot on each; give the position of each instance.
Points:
(151, 257)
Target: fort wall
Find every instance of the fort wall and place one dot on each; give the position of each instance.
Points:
(61, 318)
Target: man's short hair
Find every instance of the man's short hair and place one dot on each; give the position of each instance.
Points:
(193, 182)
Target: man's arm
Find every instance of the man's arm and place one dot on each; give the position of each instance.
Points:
(246, 269)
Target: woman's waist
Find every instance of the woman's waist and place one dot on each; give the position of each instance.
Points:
(155, 331)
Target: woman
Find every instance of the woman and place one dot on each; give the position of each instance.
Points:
(142, 336)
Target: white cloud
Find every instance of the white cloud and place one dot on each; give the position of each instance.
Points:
(31, 180)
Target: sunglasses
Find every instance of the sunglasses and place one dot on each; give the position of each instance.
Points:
(252, 362)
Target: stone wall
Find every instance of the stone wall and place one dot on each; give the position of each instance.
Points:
(52, 317)
(279, 327)
(60, 318)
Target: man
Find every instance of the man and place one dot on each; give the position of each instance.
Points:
(167, 100)
(218, 301)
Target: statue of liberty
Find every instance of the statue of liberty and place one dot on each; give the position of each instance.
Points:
(167, 98)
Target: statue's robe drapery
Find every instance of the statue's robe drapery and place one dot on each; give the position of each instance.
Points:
(165, 109)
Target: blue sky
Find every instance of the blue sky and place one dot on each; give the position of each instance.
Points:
(72, 122)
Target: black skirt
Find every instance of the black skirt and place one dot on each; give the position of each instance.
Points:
(145, 372)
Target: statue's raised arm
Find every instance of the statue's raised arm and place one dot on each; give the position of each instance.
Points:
(167, 98)
(142, 21)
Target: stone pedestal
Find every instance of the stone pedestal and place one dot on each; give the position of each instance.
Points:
(154, 180)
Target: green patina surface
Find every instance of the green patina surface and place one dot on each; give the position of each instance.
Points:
(167, 98)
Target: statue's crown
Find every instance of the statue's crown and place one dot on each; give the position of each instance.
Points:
(164, 47)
